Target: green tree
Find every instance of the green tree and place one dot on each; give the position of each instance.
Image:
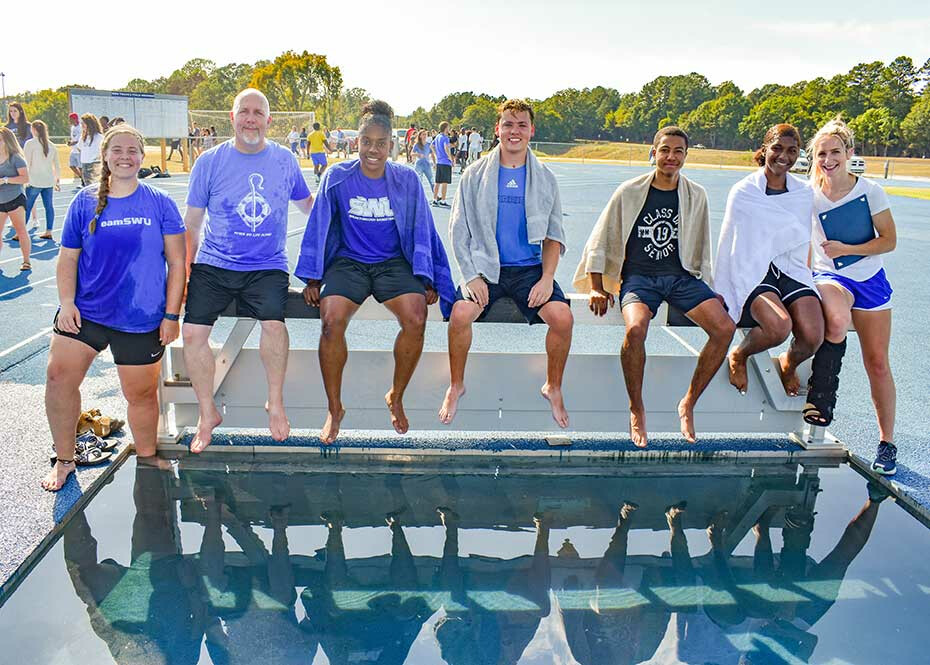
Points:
(296, 81)
(50, 106)
(220, 89)
(915, 128)
(716, 122)
(774, 110)
(348, 107)
(875, 129)
(481, 114)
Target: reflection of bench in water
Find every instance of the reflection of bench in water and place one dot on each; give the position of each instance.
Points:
(578, 497)
(505, 386)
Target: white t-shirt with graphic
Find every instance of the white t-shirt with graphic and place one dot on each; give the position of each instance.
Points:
(865, 267)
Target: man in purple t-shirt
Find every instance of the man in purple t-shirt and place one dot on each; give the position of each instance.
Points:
(245, 185)
(443, 153)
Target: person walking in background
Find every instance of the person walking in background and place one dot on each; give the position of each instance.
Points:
(303, 144)
(462, 149)
(104, 250)
(209, 138)
(104, 124)
(318, 150)
(91, 140)
(420, 151)
(442, 156)
(409, 139)
(14, 176)
(293, 140)
(176, 145)
(74, 140)
(475, 143)
(44, 176)
(18, 123)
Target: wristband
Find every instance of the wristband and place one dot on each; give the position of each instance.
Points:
(172, 317)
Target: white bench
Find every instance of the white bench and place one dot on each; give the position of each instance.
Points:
(503, 387)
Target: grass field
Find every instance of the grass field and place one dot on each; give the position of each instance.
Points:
(922, 193)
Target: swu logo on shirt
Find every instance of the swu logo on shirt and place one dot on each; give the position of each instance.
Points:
(662, 230)
(254, 208)
(371, 209)
(126, 221)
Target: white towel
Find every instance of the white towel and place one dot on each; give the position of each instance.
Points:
(758, 229)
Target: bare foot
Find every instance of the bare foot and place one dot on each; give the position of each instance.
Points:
(738, 377)
(331, 426)
(205, 427)
(153, 461)
(450, 404)
(789, 377)
(626, 512)
(447, 516)
(686, 413)
(554, 395)
(673, 514)
(638, 429)
(277, 422)
(398, 417)
(717, 529)
(56, 478)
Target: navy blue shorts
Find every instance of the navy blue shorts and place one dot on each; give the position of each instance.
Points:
(259, 294)
(515, 283)
(356, 281)
(683, 292)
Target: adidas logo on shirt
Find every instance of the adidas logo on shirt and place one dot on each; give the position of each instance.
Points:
(513, 184)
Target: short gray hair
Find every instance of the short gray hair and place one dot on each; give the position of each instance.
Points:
(247, 92)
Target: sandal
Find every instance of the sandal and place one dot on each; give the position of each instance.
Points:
(102, 426)
(89, 450)
(46, 236)
(26, 266)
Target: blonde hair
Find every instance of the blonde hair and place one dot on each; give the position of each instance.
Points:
(103, 190)
(835, 127)
(91, 127)
(8, 138)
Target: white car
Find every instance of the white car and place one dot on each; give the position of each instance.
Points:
(803, 165)
(856, 165)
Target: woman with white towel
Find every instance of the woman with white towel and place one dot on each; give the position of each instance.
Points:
(763, 261)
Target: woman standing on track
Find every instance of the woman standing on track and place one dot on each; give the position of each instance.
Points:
(13, 178)
(422, 165)
(850, 276)
(91, 140)
(121, 275)
(17, 123)
(42, 162)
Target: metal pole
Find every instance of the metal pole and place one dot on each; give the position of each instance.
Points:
(3, 92)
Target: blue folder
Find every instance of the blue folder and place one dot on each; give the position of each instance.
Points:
(850, 223)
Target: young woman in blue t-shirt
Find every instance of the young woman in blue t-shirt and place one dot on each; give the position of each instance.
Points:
(121, 275)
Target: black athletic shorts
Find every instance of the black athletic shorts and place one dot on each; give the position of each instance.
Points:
(443, 173)
(356, 280)
(127, 348)
(775, 281)
(259, 294)
(516, 282)
(683, 292)
(10, 206)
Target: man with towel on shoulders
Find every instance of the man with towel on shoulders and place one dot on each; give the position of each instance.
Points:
(652, 244)
(763, 261)
(507, 238)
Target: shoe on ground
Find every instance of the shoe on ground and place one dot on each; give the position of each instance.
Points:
(885, 459)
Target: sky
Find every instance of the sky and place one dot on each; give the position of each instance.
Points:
(413, 52)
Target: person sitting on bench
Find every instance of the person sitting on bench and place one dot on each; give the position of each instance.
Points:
(652, 244)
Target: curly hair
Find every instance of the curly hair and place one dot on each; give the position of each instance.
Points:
(376, 112)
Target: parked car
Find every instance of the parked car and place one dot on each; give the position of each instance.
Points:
(803, 165)
(856, 165)
(350, 137)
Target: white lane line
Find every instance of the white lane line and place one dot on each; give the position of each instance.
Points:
(33, 254)
(19, 345)
(27, 286)
(681, 340)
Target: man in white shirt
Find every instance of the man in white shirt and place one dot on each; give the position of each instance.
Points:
(475, 143)
(74, 159)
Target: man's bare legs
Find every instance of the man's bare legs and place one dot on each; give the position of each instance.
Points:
(335, 312)
(201, 366)
(718, 325)
(464, 314)
(273, 348)
(68, 362)
(558, 316)
(636, 317)
(410, 310)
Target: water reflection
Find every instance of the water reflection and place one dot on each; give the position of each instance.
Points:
(688, 599)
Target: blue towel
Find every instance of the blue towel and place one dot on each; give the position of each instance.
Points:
(851, 224)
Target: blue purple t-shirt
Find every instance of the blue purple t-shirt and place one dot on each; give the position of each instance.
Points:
(369, 229)
(122, 272)
(246, 197)
(513, 245)
(441, 142)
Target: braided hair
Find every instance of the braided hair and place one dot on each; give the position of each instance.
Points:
(103, 190)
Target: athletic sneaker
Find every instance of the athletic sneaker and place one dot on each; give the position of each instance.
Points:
(435, 203)
(442, 204)
(885, 459)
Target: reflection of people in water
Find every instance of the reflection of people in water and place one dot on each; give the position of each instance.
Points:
(255, 602)
(379, 630)
(485, 635)
(149, 611)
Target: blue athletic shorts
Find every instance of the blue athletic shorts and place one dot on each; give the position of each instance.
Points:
(516, 282)
(872, 295)
(318, 158)
(683, 292)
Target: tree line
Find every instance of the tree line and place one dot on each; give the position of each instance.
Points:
(888, 105)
